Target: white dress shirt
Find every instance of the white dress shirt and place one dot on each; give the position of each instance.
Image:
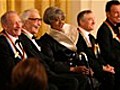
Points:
(29, 35)
(85, 35)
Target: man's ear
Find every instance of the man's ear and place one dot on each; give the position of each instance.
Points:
(4, 26)
(107, 14)
(81, 22)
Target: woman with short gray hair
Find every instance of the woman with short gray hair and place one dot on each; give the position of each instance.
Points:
(60, 46)
(52, 14)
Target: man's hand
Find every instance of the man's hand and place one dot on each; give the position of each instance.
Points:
(109, 68)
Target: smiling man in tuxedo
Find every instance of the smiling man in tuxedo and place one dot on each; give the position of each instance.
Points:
(9, 56)
(108, 37)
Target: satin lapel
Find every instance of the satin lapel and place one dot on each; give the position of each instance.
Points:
(34, 47)
(112, 31)
(82, 46)
(27, 45)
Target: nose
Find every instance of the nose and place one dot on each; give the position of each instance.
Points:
(39, 22)
(62, 22)
(19, 24)
(93, 22)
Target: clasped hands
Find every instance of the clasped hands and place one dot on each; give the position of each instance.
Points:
(109, 68)
(82, 69)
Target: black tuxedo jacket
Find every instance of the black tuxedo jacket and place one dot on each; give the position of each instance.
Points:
(110, 47)
(7, 61)
(28, 46)
(32, 51)
(95, 63)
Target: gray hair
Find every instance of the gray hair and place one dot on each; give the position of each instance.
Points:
(27, 13)
(80, 16)
(53, 13)
(4, 18)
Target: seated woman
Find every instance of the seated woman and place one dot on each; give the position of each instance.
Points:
(60, 46)
(29, 74)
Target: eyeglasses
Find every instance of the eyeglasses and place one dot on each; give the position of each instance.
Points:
(34, 19)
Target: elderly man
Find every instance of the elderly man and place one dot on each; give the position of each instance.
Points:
(9, 50)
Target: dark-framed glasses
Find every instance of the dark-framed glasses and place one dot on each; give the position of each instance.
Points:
(34, 19)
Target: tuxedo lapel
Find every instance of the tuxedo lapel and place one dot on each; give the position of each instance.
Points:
(32, 51)
(92, 40)
(82, 46)
(28, 45)
(34, 47)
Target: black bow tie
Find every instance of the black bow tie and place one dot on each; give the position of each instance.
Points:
(17, 41)
(33, 37)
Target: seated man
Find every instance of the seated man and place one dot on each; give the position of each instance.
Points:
(9, 51)
(108, 37)
(87, 44)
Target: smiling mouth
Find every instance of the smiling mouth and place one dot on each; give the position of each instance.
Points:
(36, 27)
(16, 29)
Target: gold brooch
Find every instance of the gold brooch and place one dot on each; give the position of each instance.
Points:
(16, 54)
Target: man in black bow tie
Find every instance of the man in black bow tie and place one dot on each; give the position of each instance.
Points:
(9, 56)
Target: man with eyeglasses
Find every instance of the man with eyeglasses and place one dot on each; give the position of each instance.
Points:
(31, 24)
(32, 21)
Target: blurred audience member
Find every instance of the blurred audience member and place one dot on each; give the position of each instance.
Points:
(29, 74)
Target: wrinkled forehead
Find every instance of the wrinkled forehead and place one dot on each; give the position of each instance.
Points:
(34, 15)
(12, 17)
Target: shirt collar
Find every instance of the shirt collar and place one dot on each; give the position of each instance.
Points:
(12, 38)
(29, 35)
(112, 25)
(83, 31)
